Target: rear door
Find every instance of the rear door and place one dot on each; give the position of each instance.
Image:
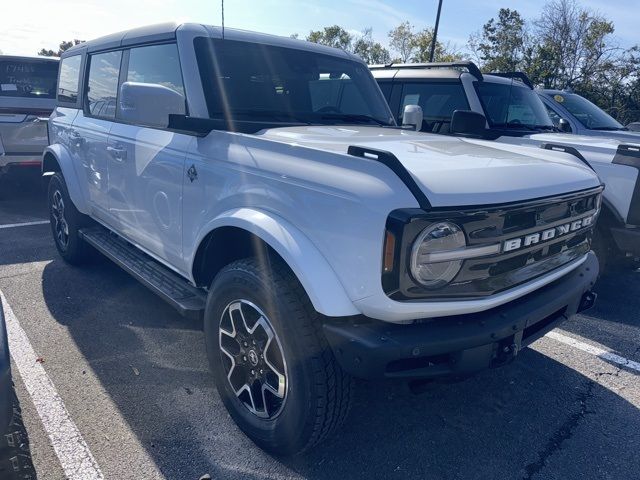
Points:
(91, 128)
(146, 162)
(27, 97)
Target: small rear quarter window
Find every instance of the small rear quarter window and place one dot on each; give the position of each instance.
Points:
(69, 79)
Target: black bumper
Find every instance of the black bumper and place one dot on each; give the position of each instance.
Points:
(6, 386)
(627, 240)
(459, 345)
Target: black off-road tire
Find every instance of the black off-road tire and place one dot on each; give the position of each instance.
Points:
(15, 457)
(318, 392)
(75, 250)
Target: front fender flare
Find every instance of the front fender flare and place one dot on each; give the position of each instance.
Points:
(318, 279)
(65, 162)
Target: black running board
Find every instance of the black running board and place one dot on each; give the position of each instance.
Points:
(175, 290)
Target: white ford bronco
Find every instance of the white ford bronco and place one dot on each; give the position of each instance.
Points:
(457, 99)
(262, 184)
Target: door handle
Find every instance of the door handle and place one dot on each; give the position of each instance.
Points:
(77, 139)
(118, 153)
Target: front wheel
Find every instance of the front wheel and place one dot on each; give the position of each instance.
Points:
(274, 370)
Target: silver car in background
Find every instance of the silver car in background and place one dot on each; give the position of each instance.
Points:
(27, 98)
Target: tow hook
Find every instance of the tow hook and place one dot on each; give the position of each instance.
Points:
(587, 301)
(506, 354)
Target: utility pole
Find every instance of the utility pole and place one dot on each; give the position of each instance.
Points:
(434, 39)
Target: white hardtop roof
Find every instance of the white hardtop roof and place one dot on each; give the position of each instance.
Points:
(167, 31)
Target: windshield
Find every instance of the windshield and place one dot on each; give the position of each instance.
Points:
(512, 105)
(244, 81)
(24, 77)
(588, 114)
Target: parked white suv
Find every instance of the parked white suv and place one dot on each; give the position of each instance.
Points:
(261, 182)
(457, 99)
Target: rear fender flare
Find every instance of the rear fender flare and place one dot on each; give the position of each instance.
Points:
(65, 161)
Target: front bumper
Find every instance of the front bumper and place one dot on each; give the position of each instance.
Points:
(627, 240)
(459, 345)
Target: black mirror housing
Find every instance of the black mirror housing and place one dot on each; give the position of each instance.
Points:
(468, 123)
(564, 125)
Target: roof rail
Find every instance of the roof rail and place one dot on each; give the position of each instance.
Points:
(517, 75)
(471, 67)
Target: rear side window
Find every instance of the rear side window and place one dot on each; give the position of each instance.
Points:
(438, 102)
(69, 79)
(102, 94)
(28, 78)
(156, 66)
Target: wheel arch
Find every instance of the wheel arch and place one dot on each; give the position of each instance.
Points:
(249, 232)
(56, 158)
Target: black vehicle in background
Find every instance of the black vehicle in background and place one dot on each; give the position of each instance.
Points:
(15, 458)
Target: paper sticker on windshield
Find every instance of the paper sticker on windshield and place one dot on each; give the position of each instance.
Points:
(558, 98)
(8, 87)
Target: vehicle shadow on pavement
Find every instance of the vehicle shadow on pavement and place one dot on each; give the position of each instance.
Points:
(614, 321)
(536, 415)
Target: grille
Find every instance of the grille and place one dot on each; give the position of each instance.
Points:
(484, 276)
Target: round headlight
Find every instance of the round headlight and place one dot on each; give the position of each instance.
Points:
(440, 237)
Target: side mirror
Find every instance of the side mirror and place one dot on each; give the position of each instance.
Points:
(149, 103)
(564, 125)
(466, 122)
(412, 116)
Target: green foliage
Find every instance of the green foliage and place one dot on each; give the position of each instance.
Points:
(333, 36)
(501, 46)
(369, 50)
(64, 45)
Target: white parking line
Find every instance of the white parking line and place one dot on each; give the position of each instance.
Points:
(24, 224)
(593, 350)
(72, 451)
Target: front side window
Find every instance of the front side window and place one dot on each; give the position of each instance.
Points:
(588, 114)
(28, 78)
(510, 105)
(553, 115)
(69, 79)
(104, 70)
(247, 81)
(438, 102)
(156, 69)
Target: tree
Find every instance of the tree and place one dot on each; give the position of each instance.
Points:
(422, 48)
(501, 45)
(401, 41)
(64, 45)
(334, 36)
(574, 41)
(369, 50)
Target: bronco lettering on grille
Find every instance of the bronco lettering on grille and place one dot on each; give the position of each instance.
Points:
(543, 236)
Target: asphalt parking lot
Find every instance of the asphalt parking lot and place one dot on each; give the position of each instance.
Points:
(133, 378)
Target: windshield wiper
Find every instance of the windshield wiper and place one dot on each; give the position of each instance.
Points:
(353, 117)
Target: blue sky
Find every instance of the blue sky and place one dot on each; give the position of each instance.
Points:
(26, 30)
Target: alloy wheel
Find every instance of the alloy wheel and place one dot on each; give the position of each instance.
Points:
(61, 227)
(252, 358)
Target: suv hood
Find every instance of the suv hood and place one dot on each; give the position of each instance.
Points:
(455, 171)
(593, 148)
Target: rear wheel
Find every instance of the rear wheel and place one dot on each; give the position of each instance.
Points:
(274, 370)
(66, 222)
